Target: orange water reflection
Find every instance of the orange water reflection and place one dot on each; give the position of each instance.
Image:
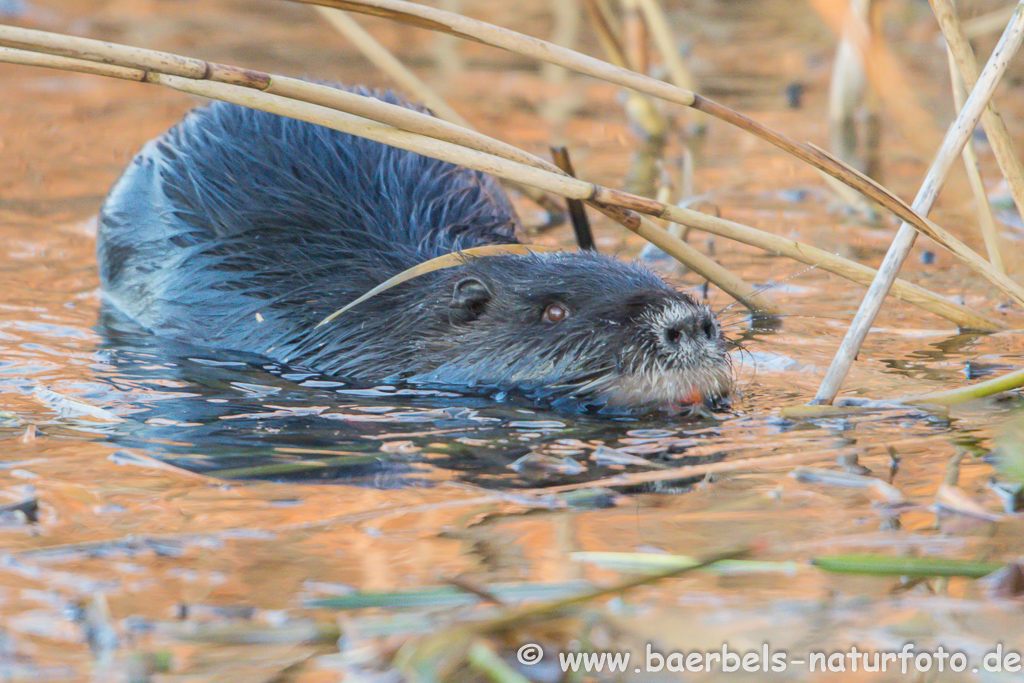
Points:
(153, 539)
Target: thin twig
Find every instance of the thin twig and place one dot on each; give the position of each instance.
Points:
(382, 58)
(578, 214)
(955, 139)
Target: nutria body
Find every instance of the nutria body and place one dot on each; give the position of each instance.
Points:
(242, 230)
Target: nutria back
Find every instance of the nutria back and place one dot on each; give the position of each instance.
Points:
(243, 230)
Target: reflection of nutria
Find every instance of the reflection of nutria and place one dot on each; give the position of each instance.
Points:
(242, 230)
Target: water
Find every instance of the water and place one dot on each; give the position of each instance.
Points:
(167, 475)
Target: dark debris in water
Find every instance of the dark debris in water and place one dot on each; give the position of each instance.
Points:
(22, 512)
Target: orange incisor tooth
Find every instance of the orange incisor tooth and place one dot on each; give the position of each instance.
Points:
(692, 396)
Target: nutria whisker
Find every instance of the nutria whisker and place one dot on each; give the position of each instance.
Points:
(761, 289)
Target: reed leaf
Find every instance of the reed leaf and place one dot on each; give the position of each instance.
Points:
(449, 596)
(997, 385)
(652, 562)
(885, 565)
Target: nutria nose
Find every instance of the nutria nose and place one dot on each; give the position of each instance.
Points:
(694, 325)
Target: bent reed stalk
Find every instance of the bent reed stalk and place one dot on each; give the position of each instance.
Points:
(479, 31)
(156, 67)
(466, 148)
(982, 205)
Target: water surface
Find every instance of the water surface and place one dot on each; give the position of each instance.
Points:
(169, 475)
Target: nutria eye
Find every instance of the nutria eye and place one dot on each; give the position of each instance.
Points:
(555, 313)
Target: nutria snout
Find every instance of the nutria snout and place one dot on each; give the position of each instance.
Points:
(243, 230)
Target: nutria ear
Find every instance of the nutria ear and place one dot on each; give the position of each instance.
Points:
(469, 300)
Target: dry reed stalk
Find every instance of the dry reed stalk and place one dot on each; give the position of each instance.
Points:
(440, 149)
(382, 58)
(678, 71)
(929, 228)
(601, 19)
(400, 116)
(914, 219)
(565, 30)
(445, 49)
(634, 30)
(986, 221)
(848, 83)
(652, 126)
(26, 58)
(846, 95)
(956, 137)
(695, 260)
(990, 22)
(280, 87)
(488, 34)
(640, 109)
(883, 70)
(661, 33)
(471, 29)
(813, 256)
(998, 137)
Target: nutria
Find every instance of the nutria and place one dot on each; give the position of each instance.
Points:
(243, 230)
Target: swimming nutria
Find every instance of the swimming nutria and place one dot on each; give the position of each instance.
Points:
(242, 230)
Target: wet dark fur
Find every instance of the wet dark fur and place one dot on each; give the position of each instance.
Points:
(242, 230)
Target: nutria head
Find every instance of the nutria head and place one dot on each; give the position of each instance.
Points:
(576, 328)
(243, 230)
